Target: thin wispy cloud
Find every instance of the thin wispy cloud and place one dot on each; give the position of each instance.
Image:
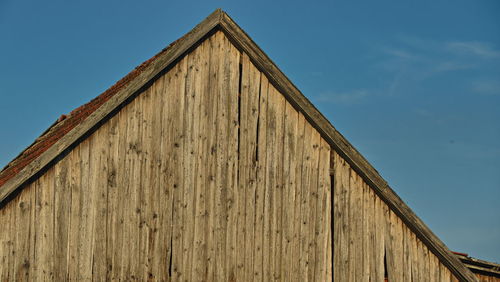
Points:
(486, 87)
(412, 60)
(452, 66)
(437, 118)
(400, 53)
(344, 98)
(451, 55)
(476, 48)
(431, 58)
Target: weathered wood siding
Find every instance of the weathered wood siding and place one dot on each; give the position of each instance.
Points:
(487, 278)
(209, 175)
(370, 241)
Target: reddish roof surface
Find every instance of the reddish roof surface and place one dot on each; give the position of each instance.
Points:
(66, 123)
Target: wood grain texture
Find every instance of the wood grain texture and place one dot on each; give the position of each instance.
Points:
(298, 167)
(260, 203)
(487, 278)
(6, 239)
(21, 253)
(249, 117)
(289, 195)
(211, 151)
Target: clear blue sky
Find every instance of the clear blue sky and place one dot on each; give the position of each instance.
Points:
(413, 85)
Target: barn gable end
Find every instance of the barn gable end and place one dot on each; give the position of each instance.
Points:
(215, 165)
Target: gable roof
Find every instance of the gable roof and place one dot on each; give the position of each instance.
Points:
(68, 131)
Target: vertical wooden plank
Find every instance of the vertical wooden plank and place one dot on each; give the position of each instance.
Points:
(21, 208)
(242, 168)
(307, 170)
(249, 113)
(128, 149)
(372, 230)
(147, 187)
(190, 151)
(379, 239)
(175, 164)
(33, 228)
(450, 276)
(425, 262)
(280, 187)
(44, 252)
(363, 231)
(270, 171)
(400, 246)
(138, 157)
(85, 205)
(211, 152)
(368, 233)
(275, 166)
(5, 256)
(222, 178)
(442, 273)
(297, 218)
(433, 268)
(289, 192)
(395, 243)
(231, 74)
(445, 275)
(341, 216)
(415, 269)
(204, 120)
(355, 224)
(407, 252)
(123, 204)
(131, 181)
(337, 218)
(11, 241)
(120, 195)
(192, 121)
(98, 189)
(313, 202)
(74, 214)
(330, 230)
(161, 171)
(352, 232)
(62, 206)
(113, 192)
(420, 260)
(211, 159)
(260, 246)
(140, 187)
(389, 254)
(390, 257)
(322, 212)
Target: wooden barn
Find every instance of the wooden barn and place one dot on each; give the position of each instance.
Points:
(206, 163)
